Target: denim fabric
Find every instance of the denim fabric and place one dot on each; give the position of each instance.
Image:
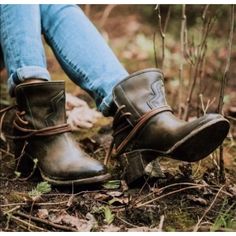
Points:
(80, 49)
(20, 39)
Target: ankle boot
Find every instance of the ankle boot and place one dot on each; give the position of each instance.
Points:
(41, 134)
(145, 127)
(7, 116)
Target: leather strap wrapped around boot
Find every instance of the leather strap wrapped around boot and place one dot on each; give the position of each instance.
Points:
(144, 123)
(41, 133)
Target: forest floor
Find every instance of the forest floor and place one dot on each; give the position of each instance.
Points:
(185, 198)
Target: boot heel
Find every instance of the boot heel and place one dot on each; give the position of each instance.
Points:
(134, 164)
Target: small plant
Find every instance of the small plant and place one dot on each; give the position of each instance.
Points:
(106, 211)
(41, 188)
(112, 184)
(224, 219)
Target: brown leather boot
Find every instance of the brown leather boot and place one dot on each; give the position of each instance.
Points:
(145, 127)
(7, 116)
(41, 133)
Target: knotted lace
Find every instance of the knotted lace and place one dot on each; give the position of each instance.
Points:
(119, 115)
(21, 124)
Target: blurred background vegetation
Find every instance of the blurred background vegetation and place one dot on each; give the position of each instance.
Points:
(130, 30)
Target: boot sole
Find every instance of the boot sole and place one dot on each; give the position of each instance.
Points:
(27, 164)
(76, 182)
(201, 142)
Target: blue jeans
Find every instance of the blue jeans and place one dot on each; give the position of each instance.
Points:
(81, 51)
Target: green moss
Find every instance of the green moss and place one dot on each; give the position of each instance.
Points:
(178, 220)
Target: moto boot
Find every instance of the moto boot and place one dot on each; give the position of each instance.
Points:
(41, 134)
(7, 116)
(145, 127)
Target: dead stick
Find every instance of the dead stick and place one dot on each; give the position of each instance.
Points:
(47, 222)
(167, 194)
(207, 210)
(162, 34)
(25, 223)
(182, 33)
(166, 187)
(221, 99)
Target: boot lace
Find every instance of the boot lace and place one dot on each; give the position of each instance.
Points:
(51, 130)
(19, 123)
(119, 115)
(3, 113)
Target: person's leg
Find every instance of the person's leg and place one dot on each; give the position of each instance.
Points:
(40, 129)
(20, 39)
(82, 52)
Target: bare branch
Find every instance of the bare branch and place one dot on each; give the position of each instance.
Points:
(182, 44)
(221, 99)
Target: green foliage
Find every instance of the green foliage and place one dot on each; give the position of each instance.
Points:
(18, 174)
(112, 184)
(41, 188)
(225, 218)
(107, 213)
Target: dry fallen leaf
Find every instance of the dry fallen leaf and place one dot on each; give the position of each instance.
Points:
(143, 229)
(111, 228)
(232, 189)
(42, 213)
(80, 224)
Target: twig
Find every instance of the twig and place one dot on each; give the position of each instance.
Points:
(7, 152)
(230, 42)
(182, 33)
(231, 118)
(166, 187)
(207, 210)
(47, 222)
(221, 99)
(11, 210)
(209, 103)
(201, 52)
(126, 222)
(161, 223)
(36, 204)
(167, 194)
(106, 14)
(11, 217)
(162, 34)
(87, 9)
(167, 19)
(154, 49)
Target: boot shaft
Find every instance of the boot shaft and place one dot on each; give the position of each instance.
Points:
(140, 92)
(43, 103)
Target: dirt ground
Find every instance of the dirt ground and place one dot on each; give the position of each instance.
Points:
(185, 198)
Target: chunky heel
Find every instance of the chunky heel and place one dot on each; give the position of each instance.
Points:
(134, 164)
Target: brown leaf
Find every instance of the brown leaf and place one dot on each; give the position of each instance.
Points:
(143, 229)
(111, 228)
(232, 189)
(101, 197)
(80, 224)
(42, 213)
(114, 193)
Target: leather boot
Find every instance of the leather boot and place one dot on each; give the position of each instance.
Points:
(41, 134)
(7, 116)
(145, 127)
